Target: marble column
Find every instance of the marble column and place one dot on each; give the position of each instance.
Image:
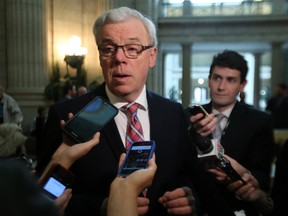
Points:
(26, 47)
(26, 72)
(186, 74)
(187, 8)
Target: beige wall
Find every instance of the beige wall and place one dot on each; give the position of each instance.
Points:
(73, 17)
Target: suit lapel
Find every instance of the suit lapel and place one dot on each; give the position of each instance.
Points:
(109, 134)
(154, 117)
(237, 115)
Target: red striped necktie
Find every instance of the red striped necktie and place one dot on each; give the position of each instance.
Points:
(134, 129)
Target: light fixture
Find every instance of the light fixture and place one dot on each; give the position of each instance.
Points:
(200, 81)
(74, 56)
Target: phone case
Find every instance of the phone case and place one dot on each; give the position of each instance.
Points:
(197, 108)
(56, 180)
(137, 157)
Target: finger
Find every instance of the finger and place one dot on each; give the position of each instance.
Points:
(177, 203)
(121, 160)
(187, 190)
(94, 141)
(62, 201)
(62, 122)
(187, 210)
(142, 210)
(142, 201)
(96, 135)
(70, 115)
(179, 192)
(142, 204)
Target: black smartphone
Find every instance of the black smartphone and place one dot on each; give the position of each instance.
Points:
(56, 181)
(137, 157)
(91, 119)
(197, 108)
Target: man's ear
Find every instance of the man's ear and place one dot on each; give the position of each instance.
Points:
(152, 56)
(242, 86)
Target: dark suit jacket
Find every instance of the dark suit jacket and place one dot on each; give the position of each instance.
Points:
(280, 186)
(176, 158)
(281, 116)
(20, 194)
(249, 139)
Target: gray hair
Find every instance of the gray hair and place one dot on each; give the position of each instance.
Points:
(122, 14)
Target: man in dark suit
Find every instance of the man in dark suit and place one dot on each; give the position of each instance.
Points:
(127, 44)
(246, 133)
(280, 187)
(281, 117)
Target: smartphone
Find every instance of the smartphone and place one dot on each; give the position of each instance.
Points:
(197, 108)
(91, 119)
(137, 157)
(56, 181)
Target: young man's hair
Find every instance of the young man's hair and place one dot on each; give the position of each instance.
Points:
(230, 59)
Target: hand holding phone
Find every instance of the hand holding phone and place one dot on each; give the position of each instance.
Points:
(91, 119)
(137, 157)
(197, 108)
(56, 181)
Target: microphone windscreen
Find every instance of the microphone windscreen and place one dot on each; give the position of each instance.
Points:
(204, 144)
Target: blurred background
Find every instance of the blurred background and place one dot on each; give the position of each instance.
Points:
(46, 43)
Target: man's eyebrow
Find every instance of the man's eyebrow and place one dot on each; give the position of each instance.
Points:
(107, 41)
(134, 39)
(128, 40)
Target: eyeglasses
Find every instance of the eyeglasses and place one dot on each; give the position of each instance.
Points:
(131, 51)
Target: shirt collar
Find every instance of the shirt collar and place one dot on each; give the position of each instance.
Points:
(227, 112)
(119, 102)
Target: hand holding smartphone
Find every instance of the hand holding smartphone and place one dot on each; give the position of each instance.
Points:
(137, 157)
(197, 108)
(91, 119)
(56, 181)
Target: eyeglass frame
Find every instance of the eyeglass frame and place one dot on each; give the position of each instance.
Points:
(123, 48)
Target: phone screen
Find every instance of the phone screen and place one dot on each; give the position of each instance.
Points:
(56, 181)
(54, 187)
(137, 157)
(91, 119)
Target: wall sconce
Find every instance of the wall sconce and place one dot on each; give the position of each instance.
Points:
(74, 56)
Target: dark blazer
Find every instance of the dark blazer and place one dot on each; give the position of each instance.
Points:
(176, 157)
(20, 194)
(249, 139)
(281, 116)
(280, 186)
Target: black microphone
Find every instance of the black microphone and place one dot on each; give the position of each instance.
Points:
(211, 154)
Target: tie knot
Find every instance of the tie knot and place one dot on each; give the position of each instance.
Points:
(132, 108)
(220, 116)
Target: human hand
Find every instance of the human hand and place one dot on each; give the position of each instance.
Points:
(179, 202)
(62, 201)
(206, 126)
(129, 188)
(247, 192)
(68, 153)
